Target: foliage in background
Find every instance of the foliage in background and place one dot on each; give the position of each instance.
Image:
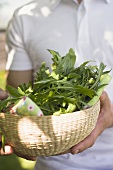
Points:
(2, 79)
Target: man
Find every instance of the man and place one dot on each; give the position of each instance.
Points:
(87, 27)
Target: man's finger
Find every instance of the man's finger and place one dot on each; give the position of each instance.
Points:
(85, 144)
(8, 150)
(3, 94)
(104, 100)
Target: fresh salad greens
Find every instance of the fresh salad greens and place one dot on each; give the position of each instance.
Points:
(65, 88)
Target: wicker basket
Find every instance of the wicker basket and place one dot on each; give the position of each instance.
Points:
(48, 135)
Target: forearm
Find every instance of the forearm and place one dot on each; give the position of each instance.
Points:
(15, 78)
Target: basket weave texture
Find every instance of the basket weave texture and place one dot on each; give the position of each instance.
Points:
(48, 135)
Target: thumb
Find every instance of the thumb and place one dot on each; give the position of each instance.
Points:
(104, 101)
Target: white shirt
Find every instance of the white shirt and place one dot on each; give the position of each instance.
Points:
(7, 8)
(88, 29)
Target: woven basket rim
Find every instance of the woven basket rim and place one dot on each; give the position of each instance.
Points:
(51, 116)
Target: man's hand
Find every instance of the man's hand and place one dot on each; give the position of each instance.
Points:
(105, 120)
(8, 149)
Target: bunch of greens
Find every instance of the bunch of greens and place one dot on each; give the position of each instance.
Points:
(65, 88)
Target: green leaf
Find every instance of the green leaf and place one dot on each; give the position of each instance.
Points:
(21, 92)
(3, 142)
(3, 103)
(68, 61)
(104, 81)
(100, 72)
(13, 91)
(56, 57)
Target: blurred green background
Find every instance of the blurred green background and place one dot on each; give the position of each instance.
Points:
(12, 162)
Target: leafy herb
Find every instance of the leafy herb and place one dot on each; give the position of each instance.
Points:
(66, 88)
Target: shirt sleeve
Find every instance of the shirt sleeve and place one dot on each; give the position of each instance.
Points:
(17, 57)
